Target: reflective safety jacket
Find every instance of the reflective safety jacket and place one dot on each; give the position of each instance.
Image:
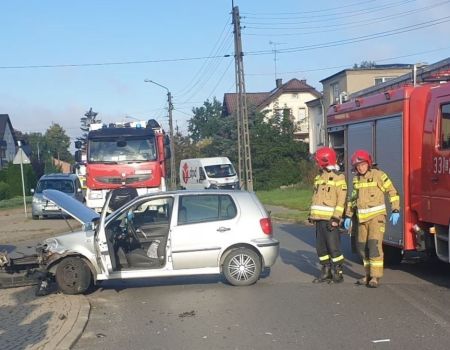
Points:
(330, 191)
(368, 195)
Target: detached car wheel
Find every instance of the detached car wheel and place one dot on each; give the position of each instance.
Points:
(242, 267)
(73, 276)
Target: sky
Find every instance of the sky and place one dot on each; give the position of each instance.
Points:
(59, 58)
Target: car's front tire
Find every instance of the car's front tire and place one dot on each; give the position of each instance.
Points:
(73, 276)
(242, 267)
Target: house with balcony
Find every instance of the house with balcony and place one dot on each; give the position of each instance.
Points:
(290, 97)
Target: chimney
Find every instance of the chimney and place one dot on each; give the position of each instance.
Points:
(278, 83)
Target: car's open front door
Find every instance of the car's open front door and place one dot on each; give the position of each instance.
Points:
(101, 243)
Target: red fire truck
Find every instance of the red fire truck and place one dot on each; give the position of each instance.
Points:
(407, 130)
(124, 154)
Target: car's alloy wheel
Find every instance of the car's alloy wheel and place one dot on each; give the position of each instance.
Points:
(73, 276)
(242, 267)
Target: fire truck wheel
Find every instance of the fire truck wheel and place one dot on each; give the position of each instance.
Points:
(242, 267)
(392, 255)
(73, 276)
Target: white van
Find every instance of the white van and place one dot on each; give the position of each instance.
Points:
(208, 173)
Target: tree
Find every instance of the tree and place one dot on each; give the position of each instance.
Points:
(89, 118)
(58, 143)
(277, 158)
(365, 64)
(206, 120)
(276, 155)
(211, 134)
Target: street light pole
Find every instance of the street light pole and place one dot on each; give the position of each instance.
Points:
(173, 181)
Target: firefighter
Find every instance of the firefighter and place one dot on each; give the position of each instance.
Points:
(327, 208)
(367, 201)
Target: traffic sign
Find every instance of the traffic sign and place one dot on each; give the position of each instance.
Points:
(21, 157)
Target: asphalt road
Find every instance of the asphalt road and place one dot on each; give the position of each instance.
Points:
(284, 310)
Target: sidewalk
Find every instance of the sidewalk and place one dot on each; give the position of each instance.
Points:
(54, 321)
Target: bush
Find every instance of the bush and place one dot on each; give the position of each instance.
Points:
(5, 191)
(11, 175)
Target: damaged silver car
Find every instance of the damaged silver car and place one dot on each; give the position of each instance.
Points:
(176, 233)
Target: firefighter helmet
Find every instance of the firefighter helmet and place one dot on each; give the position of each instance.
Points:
(361, 156)
(325, 156)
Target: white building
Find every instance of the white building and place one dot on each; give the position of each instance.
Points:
(290, 98)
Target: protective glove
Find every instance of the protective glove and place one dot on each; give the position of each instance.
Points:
(347, 223)
(332, 224)
(394, 218)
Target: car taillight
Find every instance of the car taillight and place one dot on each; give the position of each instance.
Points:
(266, 225)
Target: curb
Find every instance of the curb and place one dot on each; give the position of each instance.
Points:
(74, 326)
(75, 333)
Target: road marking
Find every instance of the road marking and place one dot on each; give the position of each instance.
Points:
(381, 341)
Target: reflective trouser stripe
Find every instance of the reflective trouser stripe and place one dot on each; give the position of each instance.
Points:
(339, 258)
(324, 258)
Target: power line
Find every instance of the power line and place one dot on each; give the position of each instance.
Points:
(215, 51)
(66, 65)
(312, 11)
(260, 52)
(354, 24)
(345, 13)
(349, 65)
(356, 39)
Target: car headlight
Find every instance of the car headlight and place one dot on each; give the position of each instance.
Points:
(37, 200)
(51, 243)
(95, 195)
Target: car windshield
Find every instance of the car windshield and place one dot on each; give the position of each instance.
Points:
(122, 150)
(66, 186)
(220, 170)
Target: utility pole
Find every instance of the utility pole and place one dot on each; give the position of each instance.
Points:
(244, 152)
(173, 171)
(173, 179)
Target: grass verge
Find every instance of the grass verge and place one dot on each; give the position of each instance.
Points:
(15, 202)
(295, 201)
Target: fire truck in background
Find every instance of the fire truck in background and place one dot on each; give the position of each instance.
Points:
(124, 154)
(407, 130)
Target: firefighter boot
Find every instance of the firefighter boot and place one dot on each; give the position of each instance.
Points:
(325, 274)
(374, 282)
(363, 281)
(338, 274)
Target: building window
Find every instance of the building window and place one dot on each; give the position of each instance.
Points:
(380, 80)
(280, 112)
(334, 92)
(445, 126)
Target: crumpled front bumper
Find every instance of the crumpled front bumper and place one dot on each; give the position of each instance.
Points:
(20, 265)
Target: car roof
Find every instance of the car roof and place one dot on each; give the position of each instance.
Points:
(56, 176)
